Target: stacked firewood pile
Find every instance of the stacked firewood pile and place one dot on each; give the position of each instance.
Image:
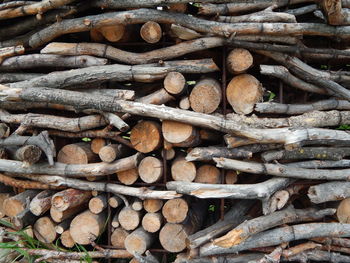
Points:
(194, 131)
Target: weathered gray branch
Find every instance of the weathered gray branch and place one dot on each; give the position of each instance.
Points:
(208, 153)
(330, 191)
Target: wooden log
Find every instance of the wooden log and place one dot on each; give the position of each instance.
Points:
(168, 154)
(151, 32)
(67, 240)
(231, 177)
(111, 152)
(28, 153)
(23, 219)
(243, 92)
(118, 237)
(208, 153)
(98, 203)
(112, 33)
(128, 177)
(150, 169)
(7, 52)
(239, 60)
(3, 197)
(16, 204)
(115, 201)
(317, 255)
(343, 211)
(63, 226)
(330, 191)
(15, 77)
(41, 203)
(174, 83)
(152, 222)
(146, 136)
(180, 134)
(208, 174)
(59, 216)
(70, 198)
(97, 144)
(44, 230)
(260, 224)
(87, 227)
(138, 241)
(185, 103)
(77, 153)
(152, 205)
(136, 204)
(206, 96)
(122, 94)
(182, 170)
(115, 221)
(175, 210)
(129, 219)
(95, 35)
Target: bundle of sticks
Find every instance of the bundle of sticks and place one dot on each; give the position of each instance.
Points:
(162, 130)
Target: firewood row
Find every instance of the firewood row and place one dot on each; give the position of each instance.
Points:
(174, 131)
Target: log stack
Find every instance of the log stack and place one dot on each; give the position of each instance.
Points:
(215, 131)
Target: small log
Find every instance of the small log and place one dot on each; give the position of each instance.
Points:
(151, 32)
(70, 198)
(63, 226)
(67, 240)
(231, 177)
(180, 134)
(138, 241)
(23, 219)
(27, 153)
(150, 169)
(87, 227)
(206, 96)
(174, 83)
(118, 237)
(168, 154)
(115, 221)
(208, 174)
(77, 153)
(16, 204)
(152, 222)
(59, 216)
(184, 33)
(182, 170)
(185, 103)
(208, 153)
(9, 52)
(112, 33)
(136, 204)
(44, 230)
(95, 35)
(243, 92)
(111, 152)
(239, 60)
(146, 136)
(128, 177)
(175, 210)
(97, 144)
(152, 205)
(41, 203)
(343, 211)
(115, 201)
(98, 203)
(3, 197)
(129, 219)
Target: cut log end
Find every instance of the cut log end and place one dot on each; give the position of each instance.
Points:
(77, 153)
(118, 237)
(146, 136)
(138, 241)
(128, 177)
(67, 240)
(44, 230)
(182, 170)
(173, 237)
(112, 33)
(152, 205)
(129, 219)
(152, 222)
(174, 83)
(343, 211)
(175, 210)
(151, 32)
(239, 60)
(97, 144)
(208, 174)
(150, 169)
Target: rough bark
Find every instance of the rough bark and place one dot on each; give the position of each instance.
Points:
(41, 203)
(7, 52)
(69, 198)
(23, 219)
(16, 204)
(28, 153)
(318, 255)
(24, 184)
(15, 77)
(210, 152)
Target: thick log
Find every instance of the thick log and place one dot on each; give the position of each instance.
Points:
(111, 152)
(138, 241)
(174, 83)
(15, 77)
(23, 219)
(280, 235)
(282, 170)
(98, 203)
(180, 134)
(150, 169)
(28, 153)
(146, 136)
(128, 177)
(118, 237)
(321, 153)
(152, 222)
(87, 227)
(183, 170)
(152, 205)
(115, 201)
(175, 210)
(244, 191)
(72, 170)
(239, 60)
(59, 216)
(97, 144)
(208, 153)
(50, 60)
(3, 197)
(206, 96)
(129, 219)
(208, 174)
(16, 204)
(41, 203)
(44, 230)
(69, 198)
(243, 92)
(251, 227)
(151, 32)
(112, 33)
(77, 153)
(102, 50)
(67, 240)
